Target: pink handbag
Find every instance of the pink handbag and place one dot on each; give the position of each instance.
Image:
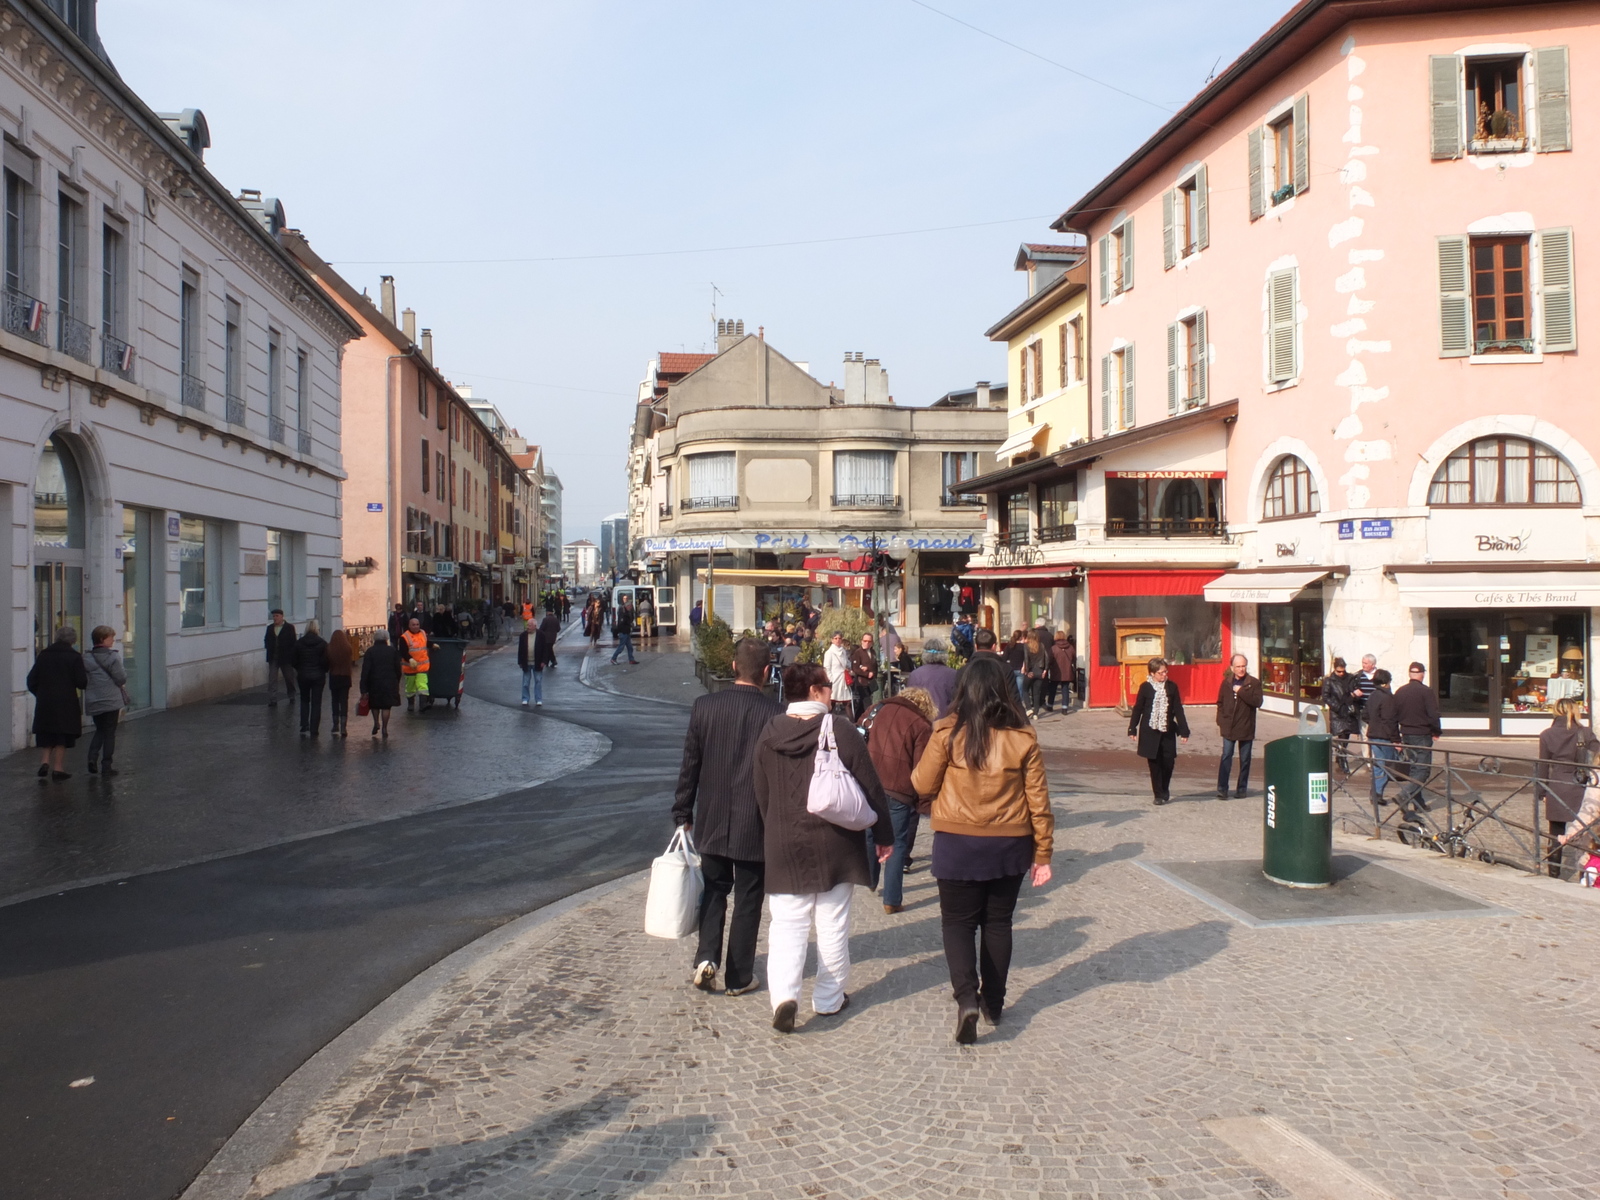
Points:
(834, 795)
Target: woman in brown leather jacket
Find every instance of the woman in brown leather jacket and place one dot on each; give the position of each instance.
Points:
(992, 825)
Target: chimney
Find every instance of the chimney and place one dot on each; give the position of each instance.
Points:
(983, 393)
(427, 344)
(408, 323)
(876, 382)
(728, 332)
(855, 378)
(387, 292)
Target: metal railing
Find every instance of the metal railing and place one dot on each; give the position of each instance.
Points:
(236, 410)
(116, 356)
(304, 441)
(1166, 527)
(963, 500)
(866, 500)
(1502, 346)
(275, 428)
(194, 392)
(25, 316)
(1013, 538)
(1058, 533)
(664, 511)
(704, 503)
(74, 337)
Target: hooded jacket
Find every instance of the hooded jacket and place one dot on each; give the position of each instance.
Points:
(899, 738)
(1007, 798)
(805, 854)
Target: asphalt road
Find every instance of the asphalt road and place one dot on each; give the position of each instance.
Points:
(188, 995)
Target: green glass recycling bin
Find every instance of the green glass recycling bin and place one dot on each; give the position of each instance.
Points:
(1297, 832)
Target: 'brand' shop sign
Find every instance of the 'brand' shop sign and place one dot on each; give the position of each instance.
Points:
(1478, 535)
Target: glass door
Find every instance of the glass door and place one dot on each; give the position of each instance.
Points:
(57, 601)
(137, 609)
(1464, 680)
(58, 541)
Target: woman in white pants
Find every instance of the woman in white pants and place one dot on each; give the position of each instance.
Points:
(812, 867)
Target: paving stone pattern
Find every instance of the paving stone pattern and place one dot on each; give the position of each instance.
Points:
(1450, 1058)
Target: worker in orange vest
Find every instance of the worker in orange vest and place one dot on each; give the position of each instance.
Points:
(414, 666)
(527, 610)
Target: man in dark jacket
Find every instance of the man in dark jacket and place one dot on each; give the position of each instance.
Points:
(279, 643)
(311, 668)
(622, 626)
(1383, 732)
(1416, 712)
(1344, 720)
(900, 734)
(1237, 701)
(717, 800)
(863, 674)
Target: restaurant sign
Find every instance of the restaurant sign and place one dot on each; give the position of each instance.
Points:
(1166, 474)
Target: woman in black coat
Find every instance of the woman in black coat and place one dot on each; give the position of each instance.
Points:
(380, 680)
(58, 675)
(1566, 750)
(1159, 725)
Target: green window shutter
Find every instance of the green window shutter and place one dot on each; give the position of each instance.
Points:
(1302, 144)
(1105, 269)
(1174, 332)
(1555, 290)
(1127, 386)
(1202, 385)
(1455, 324)
(1168, 234)
(1127, 255)
(1444, 103)
(1280, 326)
(1555, 105)
(1258, 199)
(1106, 422)
(1202, 210)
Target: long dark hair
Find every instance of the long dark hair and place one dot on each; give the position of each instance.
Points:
(986, 700)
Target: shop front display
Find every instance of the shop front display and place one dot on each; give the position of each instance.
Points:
(1502, 672)
(1292, 663)
(1198, 633)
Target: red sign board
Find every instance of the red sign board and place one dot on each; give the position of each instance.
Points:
(864, 563)
(1166, 474)
(833, 579)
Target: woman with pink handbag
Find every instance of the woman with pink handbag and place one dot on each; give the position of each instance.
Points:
(817, 790)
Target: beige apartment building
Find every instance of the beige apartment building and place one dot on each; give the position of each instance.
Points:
(785, 487)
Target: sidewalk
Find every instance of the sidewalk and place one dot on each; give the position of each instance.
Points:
(1153, 1046)
(665, 670)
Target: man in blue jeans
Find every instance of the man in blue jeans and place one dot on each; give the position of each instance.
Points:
(623, 628)
(1237, 701)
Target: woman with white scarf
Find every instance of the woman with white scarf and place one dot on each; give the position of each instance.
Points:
(812, 866)
(1158, 725)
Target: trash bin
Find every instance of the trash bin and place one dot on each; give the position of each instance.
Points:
(1297, 833)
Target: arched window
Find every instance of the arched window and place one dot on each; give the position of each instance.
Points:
(1291, 491)
(1504, 471)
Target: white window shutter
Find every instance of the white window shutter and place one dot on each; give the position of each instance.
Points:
(1444, 105)
(1202, 210)
(1174, 333)
(1127, 386)
(1105, 268)
(1555, 290)
(1455, 324)
(1202, 360)
(1302, 143)
(1280, 326)
(1127, 255)
(1106, 422)
(1258, 199)
(1555, 105)
(1168, 235)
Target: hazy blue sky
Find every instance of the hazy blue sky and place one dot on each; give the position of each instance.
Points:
(399, 133)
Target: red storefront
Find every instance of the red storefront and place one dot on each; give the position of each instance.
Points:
(1199, 634)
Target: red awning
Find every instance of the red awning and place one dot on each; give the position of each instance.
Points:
(1054, 575)
(835, 579)
(846, 565)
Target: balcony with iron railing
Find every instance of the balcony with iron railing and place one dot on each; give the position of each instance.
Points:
(116, 356)
(304, 441)
(877, 500)
(962, 500)
(25, 316)
(709, 503)
(664, 511)
(1167, 527)
(194, 391)
(1011, 538)
(275, 428)
(236, 410)
(74, 337)
(1058, 533)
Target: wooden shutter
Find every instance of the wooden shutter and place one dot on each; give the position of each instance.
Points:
(1174, 368)
(1061, 331)
(1444, 104)
(1555, 290)
(1127, 386)
(1302, 144)
(1168, 235)
(1105, 268)
(1202, 361)
(1258, 199)
(1106, 423)
(1038, 369)
(1555, 106)
(1280, 325)
(1202, 210)
(1127, 255)
(1455, 324)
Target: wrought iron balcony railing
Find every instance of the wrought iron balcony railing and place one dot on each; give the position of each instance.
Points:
(866, 500)
(116, 356)
(74, 337)
(664, 511)
(275, 429)
(305, 441)
(962, 500)
(194, 392)
(1166, 527)
(236, 410)
(25, 316)
(1013, 538)
(1058, 533)
(704, 503)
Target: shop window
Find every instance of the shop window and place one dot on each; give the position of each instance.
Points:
(1163, 507)
(1488, 663)
(939, 586)
(1504, 471)
(1291, 649)
(1194, 628)
(1291, 490)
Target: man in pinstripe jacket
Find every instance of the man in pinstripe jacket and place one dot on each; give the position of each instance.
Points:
(717, 800)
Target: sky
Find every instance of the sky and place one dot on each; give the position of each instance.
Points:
(558, 188)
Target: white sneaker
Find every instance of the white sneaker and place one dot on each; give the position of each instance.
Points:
(538, 703)
(705, 976)
(524, 704)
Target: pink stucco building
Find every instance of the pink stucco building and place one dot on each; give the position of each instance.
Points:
(1338, 316)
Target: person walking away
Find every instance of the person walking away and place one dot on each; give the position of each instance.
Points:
(544, 654)
(647, 616)
(55, 680)
(992, 827)
(1363, 688)
(105, 697)
(716, 801)
(1566, 752)
(1339, 697)
(812, 865)
(900, 734)
(1238, 699)
(311, 668)
(341, 668)
(525, 645)
(1035, 672)
(1158, 725)
(380, 680)
(863, 675)
(936, 677)
(1015, 652)
(961, 635)
(414, 666)
(984, 641)
(566, 608)
(279, 643)
(623, 628)
(1383, 734)
(593, 625)
(1064, 667)
(836, 664)
(1416, 711)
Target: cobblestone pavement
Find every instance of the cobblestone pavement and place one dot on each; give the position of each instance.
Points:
(1450, 1058)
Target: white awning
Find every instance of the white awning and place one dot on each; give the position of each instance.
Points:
(1495, 589)
(1263, 587)
(1019, 442)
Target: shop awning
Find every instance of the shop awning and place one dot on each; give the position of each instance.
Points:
(1261, 587)
(755, 578)
(1018, 442)
(1496, 589)
(1047, 576)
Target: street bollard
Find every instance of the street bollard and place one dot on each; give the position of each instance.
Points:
(1297, 832)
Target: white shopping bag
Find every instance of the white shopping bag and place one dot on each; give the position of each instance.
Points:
(673, 907)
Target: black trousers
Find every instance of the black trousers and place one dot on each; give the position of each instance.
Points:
(104, 742)
(311, 703)
(981, 907)
(747, 882)
(1038, 689)
(863, 697)
(1161, 766)
(339, 701)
